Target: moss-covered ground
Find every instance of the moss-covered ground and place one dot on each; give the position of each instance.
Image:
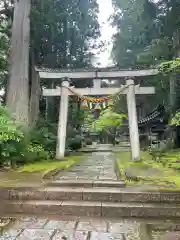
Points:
(163, 171)
(44, 166)
(33, 173)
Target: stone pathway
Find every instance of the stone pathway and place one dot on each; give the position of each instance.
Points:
(99, 165)
(28, 228)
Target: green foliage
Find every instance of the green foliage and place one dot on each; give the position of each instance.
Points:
(88, 120)
(11, 136)
(135, 28)
(109, 121)
(46, 166)
(176, 119)
(156, 154)
(88, 141)
(148, 170)
(147, 31)
(15, 147)
(148, 36)
(75, 142)
(170, 66)
(44, 134)
(63, 32)
(63, 35)
(34, 152)
(5, 26)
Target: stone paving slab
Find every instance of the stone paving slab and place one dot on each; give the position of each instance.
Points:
(35, 234)
(166, 236)
(26, 222)
(70, 236)
(61, 225)
(93, 225)
(10, 234)
(123, 227)
(106, 236)
(99, 165)
(61, 235)
(31, 228)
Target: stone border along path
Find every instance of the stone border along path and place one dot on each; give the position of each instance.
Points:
(32, 228)
(98, 166)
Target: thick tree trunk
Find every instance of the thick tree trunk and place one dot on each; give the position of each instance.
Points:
(174, 76)
(34, 98)
(18, 84)
(172, 92)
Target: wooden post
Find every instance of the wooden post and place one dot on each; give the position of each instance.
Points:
(133, 124)
(62, 123)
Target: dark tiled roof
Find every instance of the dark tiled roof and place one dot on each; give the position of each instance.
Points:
(156, 113)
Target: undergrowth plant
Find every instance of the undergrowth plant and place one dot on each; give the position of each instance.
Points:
(15, 145)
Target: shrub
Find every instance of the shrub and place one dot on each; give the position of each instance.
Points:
(156, 154)
(15, 145)
(71, 132)
(75, 143)
(88, 141)
(68, 152)
(45, 134)
(169, 144)
(35, 152)
(11, 138)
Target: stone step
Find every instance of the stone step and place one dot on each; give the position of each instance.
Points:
(87, 183)
(88, 194)
(66, 193)
(89, 209)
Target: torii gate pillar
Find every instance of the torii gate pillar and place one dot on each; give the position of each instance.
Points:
(132, 117)
(62, 123)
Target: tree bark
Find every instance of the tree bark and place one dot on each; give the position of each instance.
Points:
(174, 76)
(18, 84)
(172, 92)
(34, 97)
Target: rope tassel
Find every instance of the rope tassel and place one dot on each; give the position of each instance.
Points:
(84, 103)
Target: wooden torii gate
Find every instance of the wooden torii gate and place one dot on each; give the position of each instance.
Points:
(97, 75)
